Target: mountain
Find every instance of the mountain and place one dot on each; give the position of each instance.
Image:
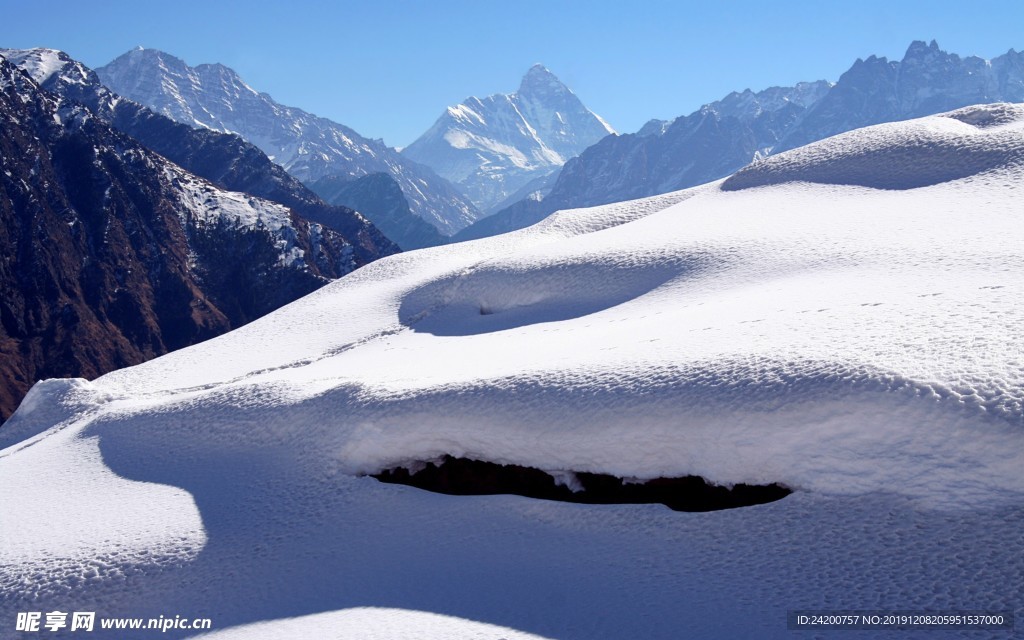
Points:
(855, 338)
(492, 147)
(224, 159)
(309, 147)
(723, 136)
(708, 144)
(114, 255)
(927, 80)
(380, 198)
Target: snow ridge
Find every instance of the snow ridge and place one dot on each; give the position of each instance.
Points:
(907, 155)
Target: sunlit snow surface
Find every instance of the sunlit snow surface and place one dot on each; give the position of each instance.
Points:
(860, 345)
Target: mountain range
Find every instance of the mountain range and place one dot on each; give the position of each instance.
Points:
(723, 136)
(115, 254)
(492, 147)
(309, 147)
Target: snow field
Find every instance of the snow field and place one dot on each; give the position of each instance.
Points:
(860, 345)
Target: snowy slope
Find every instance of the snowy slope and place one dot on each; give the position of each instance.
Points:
(213, 96)
(492, 147)
(860, 345)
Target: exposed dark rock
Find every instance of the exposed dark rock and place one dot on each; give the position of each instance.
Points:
(111, 255)
(308, 146)
(464, 477)
(226, 160)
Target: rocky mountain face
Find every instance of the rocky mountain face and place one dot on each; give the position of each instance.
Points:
(726, 135)
(224, 159)
(309, 147)
(379, 198)
(926, 81)
(492, 147)
(113, 255)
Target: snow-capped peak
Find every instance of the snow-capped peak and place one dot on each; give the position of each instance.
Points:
(539, 78)
(39, 63)
(494, 146)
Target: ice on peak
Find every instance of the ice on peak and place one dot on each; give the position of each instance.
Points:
(538, 77)
(538, 71)
(494, 146)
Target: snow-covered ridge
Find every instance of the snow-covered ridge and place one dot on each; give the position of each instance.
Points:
(41, 64)
(859, 345)
(747, 105)
(702, 270)
(902, 155)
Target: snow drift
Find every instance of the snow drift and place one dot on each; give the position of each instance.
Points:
(860, 345)
(901, 155)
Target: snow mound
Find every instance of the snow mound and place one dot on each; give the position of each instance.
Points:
(49, 404)
(370, 623)
(861, 346)
(901, 155)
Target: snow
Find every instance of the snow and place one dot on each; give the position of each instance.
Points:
(372, 623)
(923, 152)
(859, 345)
(40, 64)
(463, 113)
(207, 205)
(309, 147)
(493, 146)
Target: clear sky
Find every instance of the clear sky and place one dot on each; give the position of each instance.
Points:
(387, 68)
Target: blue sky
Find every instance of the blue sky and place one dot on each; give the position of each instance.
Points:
(388, 68)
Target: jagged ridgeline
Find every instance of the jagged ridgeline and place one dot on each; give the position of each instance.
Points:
(309, 147)
(115, 255)
(723, 136)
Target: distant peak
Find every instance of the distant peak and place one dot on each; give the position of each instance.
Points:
(539, 78)
(148, 54)
(539, 71)
(918, 48)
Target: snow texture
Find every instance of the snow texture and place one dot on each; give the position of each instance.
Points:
(41, 64)
(859, 345)
(961, 143)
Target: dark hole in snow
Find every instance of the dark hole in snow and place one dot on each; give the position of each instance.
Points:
(464, 477)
